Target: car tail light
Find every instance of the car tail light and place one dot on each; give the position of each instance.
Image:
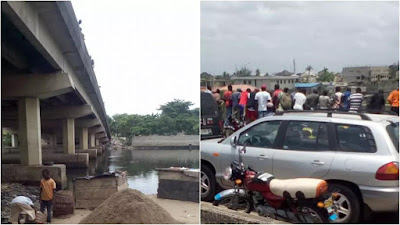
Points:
(389, 171)
(210, 121)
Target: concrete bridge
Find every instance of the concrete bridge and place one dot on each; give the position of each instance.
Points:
(49, 91)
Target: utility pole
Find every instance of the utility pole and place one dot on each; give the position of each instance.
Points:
(294, 66)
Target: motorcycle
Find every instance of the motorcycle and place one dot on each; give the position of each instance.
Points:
(233, 124)
(300, 200)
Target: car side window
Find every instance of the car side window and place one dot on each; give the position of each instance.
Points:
(306, 136)
(260, 135)
(354, 138)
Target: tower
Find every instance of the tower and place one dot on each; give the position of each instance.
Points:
(294, 66)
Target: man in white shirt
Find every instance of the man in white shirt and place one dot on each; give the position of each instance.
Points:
(263, 97)
(299, 99)
(21, 204)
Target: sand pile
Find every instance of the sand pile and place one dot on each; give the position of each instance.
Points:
(130, 207)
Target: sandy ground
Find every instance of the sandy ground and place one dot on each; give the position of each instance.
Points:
(183, 211)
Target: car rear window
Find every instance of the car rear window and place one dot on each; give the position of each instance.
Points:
(354, 138)
(393, 131)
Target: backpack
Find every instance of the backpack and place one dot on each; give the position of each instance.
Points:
(286, 101)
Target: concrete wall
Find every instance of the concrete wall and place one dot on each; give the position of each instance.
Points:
(156, 140)
(33, 174)
(178, 184)
(90, 193)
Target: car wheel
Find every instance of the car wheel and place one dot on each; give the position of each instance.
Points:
(207, 184)
(347, 203)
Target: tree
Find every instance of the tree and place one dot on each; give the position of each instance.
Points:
(266, 74)
(176, 117)
(243, 72)
(225, 74)
(309, 68)
(258, 72)
(326, 76)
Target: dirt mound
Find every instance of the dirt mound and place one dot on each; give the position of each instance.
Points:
(129, 207)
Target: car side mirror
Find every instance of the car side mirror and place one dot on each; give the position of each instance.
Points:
(233, 141)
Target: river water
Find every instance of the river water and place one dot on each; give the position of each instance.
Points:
(140, 164)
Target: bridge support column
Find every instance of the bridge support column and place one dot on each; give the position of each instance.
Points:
(97, 142)
(83, 139)
(30, 131)
(92, 140)
(53, 140)
(69, 135)
(14, 140)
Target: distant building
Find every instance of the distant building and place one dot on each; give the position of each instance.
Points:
(356, 74)
(379, 73)
(365, 73)
(309, 87)
(270, 81)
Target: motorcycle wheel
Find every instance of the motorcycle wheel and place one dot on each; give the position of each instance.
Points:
(311, 213)
(243, 203)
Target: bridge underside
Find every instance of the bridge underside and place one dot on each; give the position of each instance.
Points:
(50, 96)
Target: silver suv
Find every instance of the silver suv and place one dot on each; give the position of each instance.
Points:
(358, 154)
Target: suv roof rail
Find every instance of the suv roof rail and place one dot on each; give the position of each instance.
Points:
(328, 112)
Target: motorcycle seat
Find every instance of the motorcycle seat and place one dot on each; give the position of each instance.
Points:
(310, 187)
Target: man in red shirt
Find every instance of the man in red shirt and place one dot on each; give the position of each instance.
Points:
(243, 102)
(228, 101)
(276, 96)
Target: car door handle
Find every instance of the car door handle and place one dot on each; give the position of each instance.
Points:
(317, 163)
(263, 156)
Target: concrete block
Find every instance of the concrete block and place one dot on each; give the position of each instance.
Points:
(90, 192)
(99, 150)
(77, 160)
(31, 175)
(179, 184)
(92, 152)
(222, 215)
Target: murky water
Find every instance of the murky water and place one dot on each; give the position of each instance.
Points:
(140, 164)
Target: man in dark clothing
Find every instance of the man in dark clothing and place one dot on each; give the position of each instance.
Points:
(312, 101)
(252, 107)
(345, 101)
(235, 103)
(376, 103)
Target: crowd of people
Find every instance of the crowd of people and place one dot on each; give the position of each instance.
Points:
(249, 105)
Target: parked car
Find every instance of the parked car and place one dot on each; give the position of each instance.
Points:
(356, 153)
(211, 122)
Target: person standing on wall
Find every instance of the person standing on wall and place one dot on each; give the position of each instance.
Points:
(236, 111)
(336, 99)
(377, 102)
(299, 99)
(312, 101)
(276, 96)
(394, 100)
(324, 100)
(243, 102)
(262, 97)
(285, 101)
(356, 100)
(228, 103)
(345, 101)
(251, 112)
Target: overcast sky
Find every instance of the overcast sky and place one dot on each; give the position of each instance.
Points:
(269, 35)
(146, 53)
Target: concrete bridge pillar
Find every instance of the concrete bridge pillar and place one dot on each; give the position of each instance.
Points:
(83, 140)
(69, 135)
(30, 131)
(92, 140)
(14, 140)
(53, 140)
(97, 142)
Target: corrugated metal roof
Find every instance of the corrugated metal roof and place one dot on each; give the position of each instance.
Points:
(306, 85)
